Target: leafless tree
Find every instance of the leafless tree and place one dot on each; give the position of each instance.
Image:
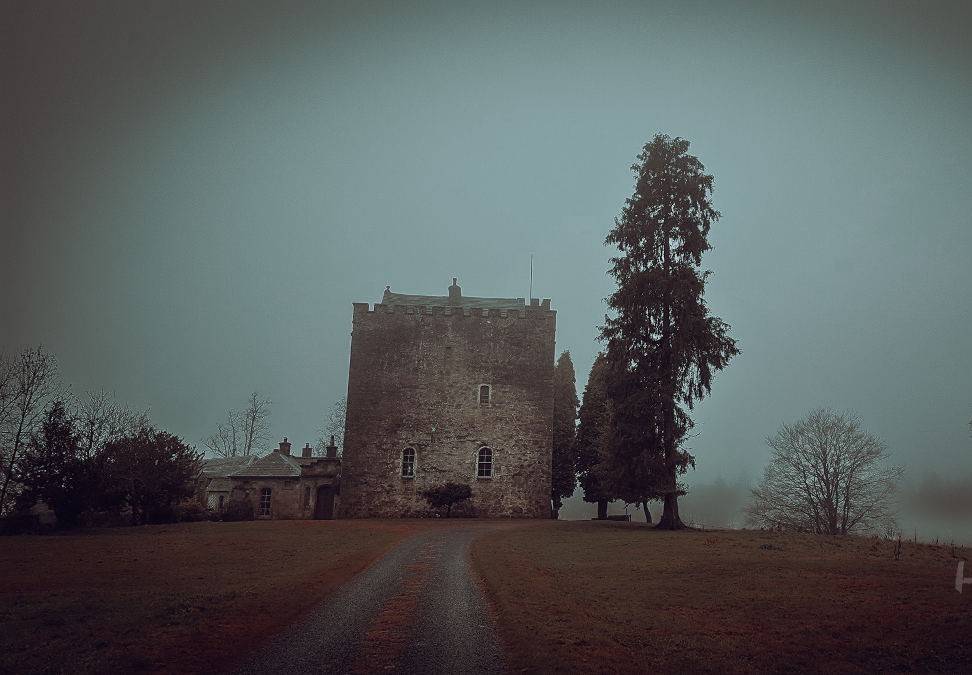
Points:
(333, 426)
(243, 432)
(826, 475)
(101, 419)
(29, 385)
(255, 424)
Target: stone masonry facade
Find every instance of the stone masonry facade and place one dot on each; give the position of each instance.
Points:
(439, 384)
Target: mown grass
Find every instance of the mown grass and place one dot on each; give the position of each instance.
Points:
(620, 597)
(175, 598)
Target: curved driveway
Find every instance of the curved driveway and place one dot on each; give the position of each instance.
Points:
(416, 610)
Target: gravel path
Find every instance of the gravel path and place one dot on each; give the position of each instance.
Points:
(417, 610)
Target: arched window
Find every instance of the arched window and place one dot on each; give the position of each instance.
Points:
(484, 465)
(484, 394)
(265, 498)
(408, 463)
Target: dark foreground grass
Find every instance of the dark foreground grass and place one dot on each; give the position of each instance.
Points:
(619, 597)
(177, 598)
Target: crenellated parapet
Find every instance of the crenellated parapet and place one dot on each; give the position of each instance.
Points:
(538, 311)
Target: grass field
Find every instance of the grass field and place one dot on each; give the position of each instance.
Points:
(620, 597)
(189, 597)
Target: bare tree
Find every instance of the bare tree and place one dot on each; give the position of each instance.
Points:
(243, 432)
(333, 426)
(255, 424)
(225, 442)
(30, 384)
(100, 419)
(826, 475)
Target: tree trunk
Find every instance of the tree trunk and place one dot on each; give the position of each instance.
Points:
(669, 519)
(644, 505)
(9, 470)
(602, 509)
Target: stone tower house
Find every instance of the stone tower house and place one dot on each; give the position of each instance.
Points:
(449, 388)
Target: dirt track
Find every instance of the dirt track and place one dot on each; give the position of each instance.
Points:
(418, 609)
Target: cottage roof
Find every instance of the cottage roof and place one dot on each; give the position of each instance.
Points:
(220, 485)
(276, 464)
(220, 467)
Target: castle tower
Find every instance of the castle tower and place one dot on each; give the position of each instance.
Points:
(449, 388)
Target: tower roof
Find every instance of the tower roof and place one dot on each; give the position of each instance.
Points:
(454, 299)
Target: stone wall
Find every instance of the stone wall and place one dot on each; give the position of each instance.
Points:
(290, 498)
(414, 382)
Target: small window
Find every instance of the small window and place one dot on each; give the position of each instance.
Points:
(306, 497)
(484, 467)
(408, 463)
(221, 497)
(484, 394)
(265, 495)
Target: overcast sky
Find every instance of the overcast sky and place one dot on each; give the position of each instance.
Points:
(193, 194)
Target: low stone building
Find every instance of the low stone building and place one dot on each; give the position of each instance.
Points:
(278, 485)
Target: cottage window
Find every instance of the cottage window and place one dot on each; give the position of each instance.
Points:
(221, 497)
(265, 495)
(484, 465)
(484, 394)
(408, 463)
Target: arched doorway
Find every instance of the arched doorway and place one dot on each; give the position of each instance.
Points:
(324, 506)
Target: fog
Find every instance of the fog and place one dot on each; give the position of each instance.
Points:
(193, 195)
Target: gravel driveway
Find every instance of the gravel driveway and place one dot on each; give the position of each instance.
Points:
(416, 610)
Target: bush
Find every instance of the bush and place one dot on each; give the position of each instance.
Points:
(238, 509)
(447, 495)
(190, 511)
(22, 522)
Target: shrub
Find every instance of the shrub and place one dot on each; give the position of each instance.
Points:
(238, 509)
(21, 522)
(447, 495)
(190, 511)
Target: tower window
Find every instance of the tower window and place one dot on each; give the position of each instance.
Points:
(484, 465)
(484, 394)
(265, 497)
(408, 463)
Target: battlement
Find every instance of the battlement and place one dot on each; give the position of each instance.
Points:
(538, 311)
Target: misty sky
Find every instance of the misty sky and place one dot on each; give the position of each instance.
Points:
(193, 194)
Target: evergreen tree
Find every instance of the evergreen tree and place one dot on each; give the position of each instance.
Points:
(591, 435)
(563, 478)
(663, 345)
(151, 471)
(54, 471)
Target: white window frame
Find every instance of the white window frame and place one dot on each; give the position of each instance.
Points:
(489, 394)
(266, 502)
(402, 463)
(482, 463)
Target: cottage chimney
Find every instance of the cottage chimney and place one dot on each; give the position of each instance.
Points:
(455, 293)
(284, 447)
(331, 449)
(306, 452)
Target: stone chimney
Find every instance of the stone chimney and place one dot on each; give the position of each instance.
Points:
(331, 449)
(284, 447)
(455, 293)
(306, 452)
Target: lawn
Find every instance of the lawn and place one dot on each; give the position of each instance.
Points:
(189, 597)
(621, 597)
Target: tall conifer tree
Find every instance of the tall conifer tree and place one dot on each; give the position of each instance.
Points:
(564, 475)
(663, 345)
